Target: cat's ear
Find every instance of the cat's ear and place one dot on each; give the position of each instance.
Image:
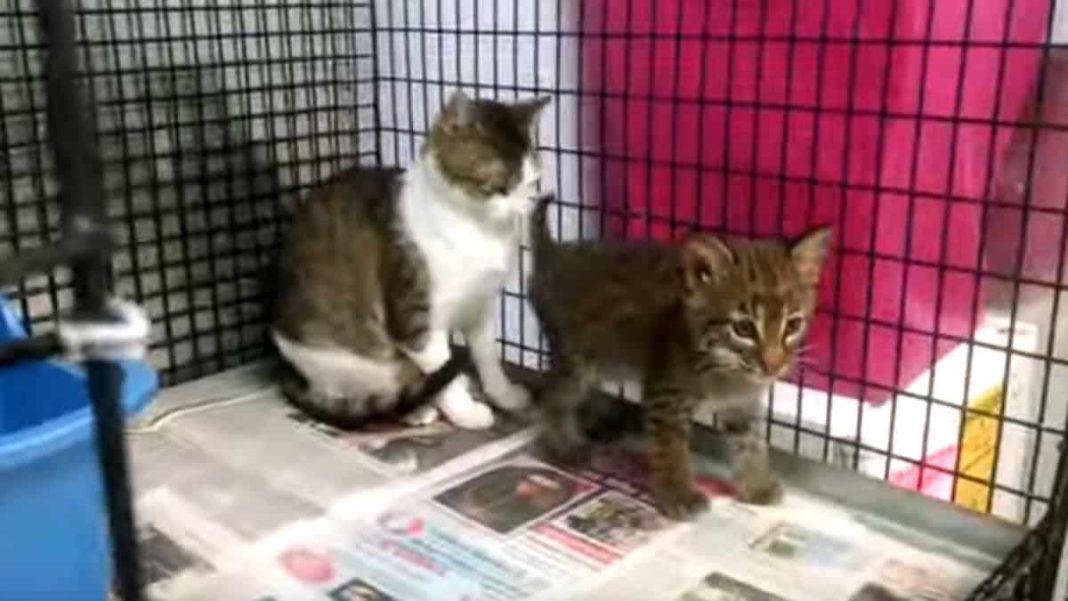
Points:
(459, 112)
(809, 252)
(704, 260)
(528, 111)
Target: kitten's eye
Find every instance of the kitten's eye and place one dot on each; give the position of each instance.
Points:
(793, 326)
(744, 328)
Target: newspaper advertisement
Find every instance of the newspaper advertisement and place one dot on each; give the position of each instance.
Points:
(803, 553)
(509, 530)
(893, 580)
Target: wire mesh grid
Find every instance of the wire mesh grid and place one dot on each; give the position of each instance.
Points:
(929, 135)
(817, 91)
(755, 118)
(211, 120)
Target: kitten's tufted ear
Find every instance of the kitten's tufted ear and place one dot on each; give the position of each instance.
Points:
(704, 259)
(459, 112)
(528, 111)
(809, 252)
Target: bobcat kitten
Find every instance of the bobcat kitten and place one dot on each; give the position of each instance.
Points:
(381, 264)
(703, 320)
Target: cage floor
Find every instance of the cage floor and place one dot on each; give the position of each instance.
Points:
(240, 498)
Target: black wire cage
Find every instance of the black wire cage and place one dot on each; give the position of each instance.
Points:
(927, 132)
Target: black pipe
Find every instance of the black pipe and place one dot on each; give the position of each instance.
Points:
(45, 259)
(77, 164)
(28, 349)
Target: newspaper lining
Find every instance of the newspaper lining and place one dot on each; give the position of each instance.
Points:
(429, 513)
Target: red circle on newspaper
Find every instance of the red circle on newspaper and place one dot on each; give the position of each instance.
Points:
(401, 524)
(716, 487)
(307, 565)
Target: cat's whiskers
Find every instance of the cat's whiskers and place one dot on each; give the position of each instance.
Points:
(804, 365)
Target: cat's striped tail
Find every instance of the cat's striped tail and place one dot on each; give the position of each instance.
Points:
(348, 415)
(541, 240)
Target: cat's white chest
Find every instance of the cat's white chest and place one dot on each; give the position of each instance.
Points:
(466, 270)
(468, 262)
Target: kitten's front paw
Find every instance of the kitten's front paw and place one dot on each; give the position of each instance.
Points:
(511, 397)
(680, 502)
(561, 439)
(563, 451)
(463, 410)
(759, 489)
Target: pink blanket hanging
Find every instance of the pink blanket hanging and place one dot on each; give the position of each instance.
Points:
(767, 116)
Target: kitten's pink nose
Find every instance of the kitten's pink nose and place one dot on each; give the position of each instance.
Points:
(773, 360)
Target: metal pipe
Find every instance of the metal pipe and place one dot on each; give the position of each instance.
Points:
(77, 164)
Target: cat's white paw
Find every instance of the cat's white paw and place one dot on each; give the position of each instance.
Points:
(511, 397)
(463, 410)
(423, 416)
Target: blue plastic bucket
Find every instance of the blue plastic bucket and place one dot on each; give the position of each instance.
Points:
(53, 525)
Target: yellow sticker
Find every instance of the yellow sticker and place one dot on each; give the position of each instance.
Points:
(978, 447)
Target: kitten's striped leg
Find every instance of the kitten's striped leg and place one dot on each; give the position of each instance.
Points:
(750, 460)
(667, 422)
(607, 419)
(559, 400)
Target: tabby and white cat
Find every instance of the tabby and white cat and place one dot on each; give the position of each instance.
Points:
(707, 320)
(381, 265)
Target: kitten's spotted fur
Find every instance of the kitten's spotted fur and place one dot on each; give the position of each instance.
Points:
(381, 264)
(708, 319)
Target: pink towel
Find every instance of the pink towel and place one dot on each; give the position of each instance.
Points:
(701, 120)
